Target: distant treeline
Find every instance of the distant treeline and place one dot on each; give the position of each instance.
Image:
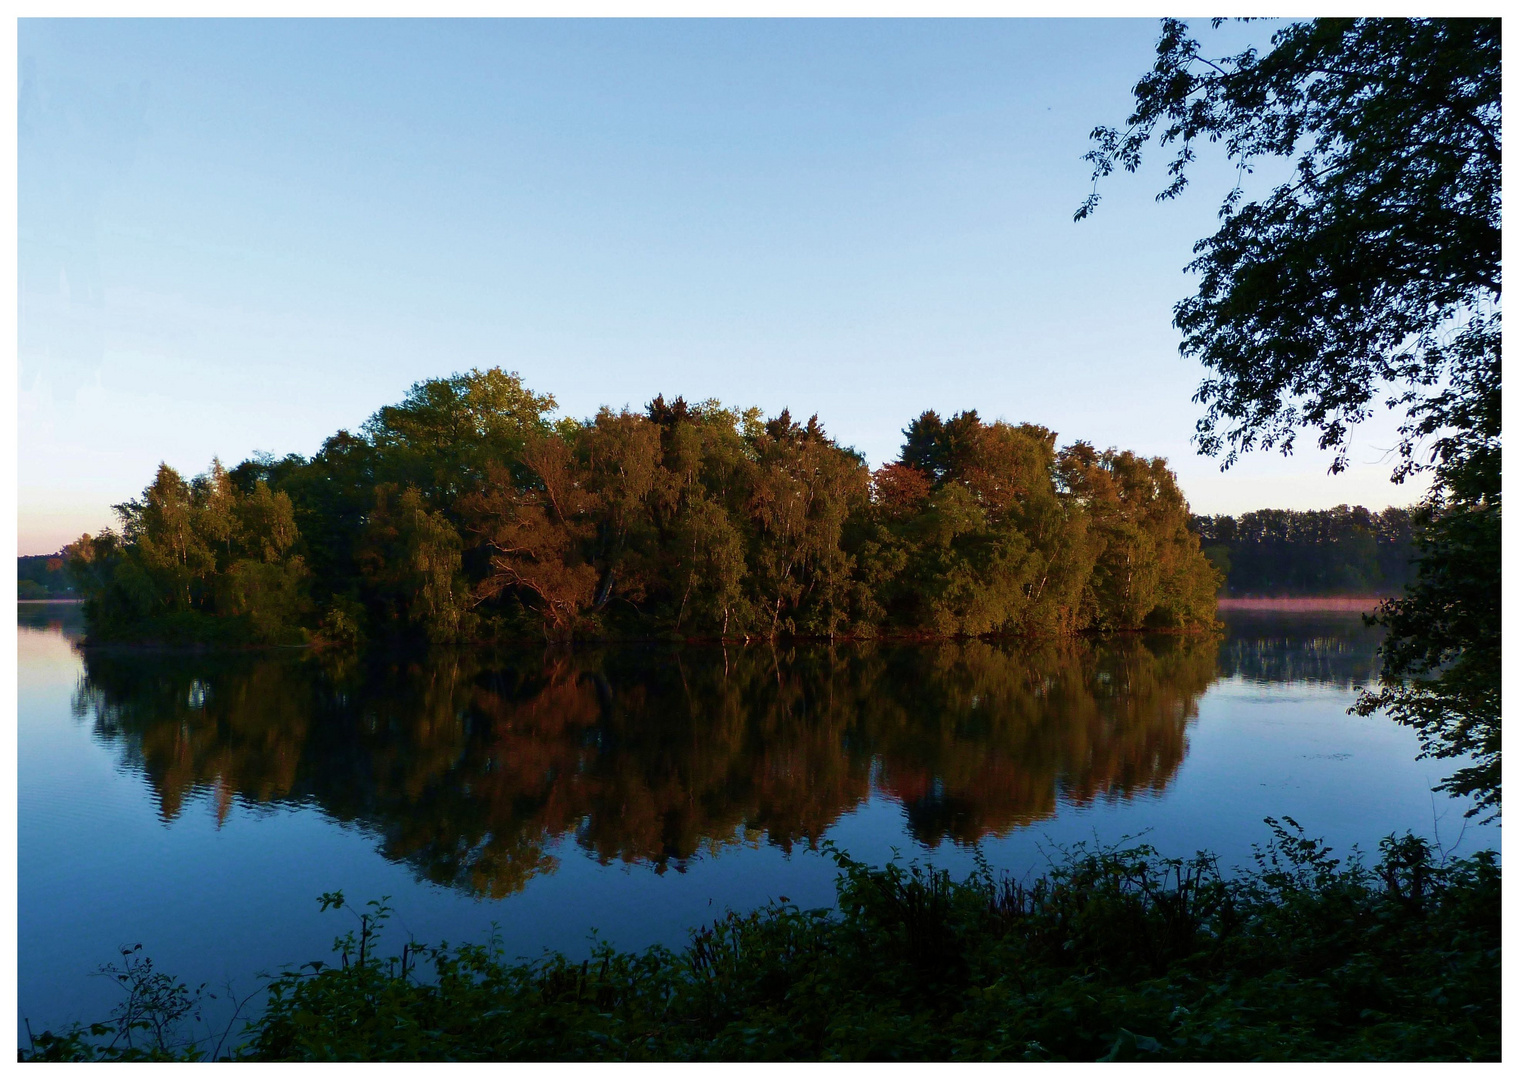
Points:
(43, 577)
(465, 513)
(1347, 551)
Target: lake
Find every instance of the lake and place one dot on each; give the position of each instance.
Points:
(198, 804)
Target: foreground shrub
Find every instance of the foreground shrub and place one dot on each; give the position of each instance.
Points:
(1113, 954)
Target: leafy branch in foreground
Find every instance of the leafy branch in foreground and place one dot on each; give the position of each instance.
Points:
(1377, 264)
(149, 1023)
(1376, 269)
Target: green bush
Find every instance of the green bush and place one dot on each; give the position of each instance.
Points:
(1113, 954)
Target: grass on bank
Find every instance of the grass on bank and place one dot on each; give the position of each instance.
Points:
(1114, 954)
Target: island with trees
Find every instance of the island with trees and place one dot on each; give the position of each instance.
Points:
(466, 513)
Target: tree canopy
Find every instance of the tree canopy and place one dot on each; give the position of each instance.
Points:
(465, 513)
(1375, 270)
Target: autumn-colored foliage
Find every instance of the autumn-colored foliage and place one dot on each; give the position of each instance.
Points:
(466, 514)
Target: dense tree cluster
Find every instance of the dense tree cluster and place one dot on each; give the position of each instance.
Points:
(1347, 551)
(188, 548)
(467, 513)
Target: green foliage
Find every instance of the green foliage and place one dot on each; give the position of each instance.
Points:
(410, 559)
(1150, 569)
(996, 532)
(147, 1024)
(196, 562)
(1442, 661)
(1114, 954)
(1347, 551)
(463, 514)
(445, 435)
(1376, 270)
(1381, 250)
(343, 622)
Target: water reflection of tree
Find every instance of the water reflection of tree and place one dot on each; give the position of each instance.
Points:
(1330, 648)
(979, 740)
(471, 768)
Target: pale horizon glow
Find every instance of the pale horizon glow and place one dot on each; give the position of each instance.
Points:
(242, 236)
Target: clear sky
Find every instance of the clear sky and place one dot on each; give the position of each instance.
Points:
(238, 236)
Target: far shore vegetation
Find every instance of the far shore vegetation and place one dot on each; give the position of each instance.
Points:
(43, 577)
(1346, 551)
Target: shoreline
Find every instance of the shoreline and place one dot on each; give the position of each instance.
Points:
(572, 643)
(1361, 604)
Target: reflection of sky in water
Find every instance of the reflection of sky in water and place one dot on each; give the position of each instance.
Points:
(225, 885)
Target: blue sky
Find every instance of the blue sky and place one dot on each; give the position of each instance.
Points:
(238, 236)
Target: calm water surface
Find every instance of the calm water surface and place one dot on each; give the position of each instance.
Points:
(198, 804)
